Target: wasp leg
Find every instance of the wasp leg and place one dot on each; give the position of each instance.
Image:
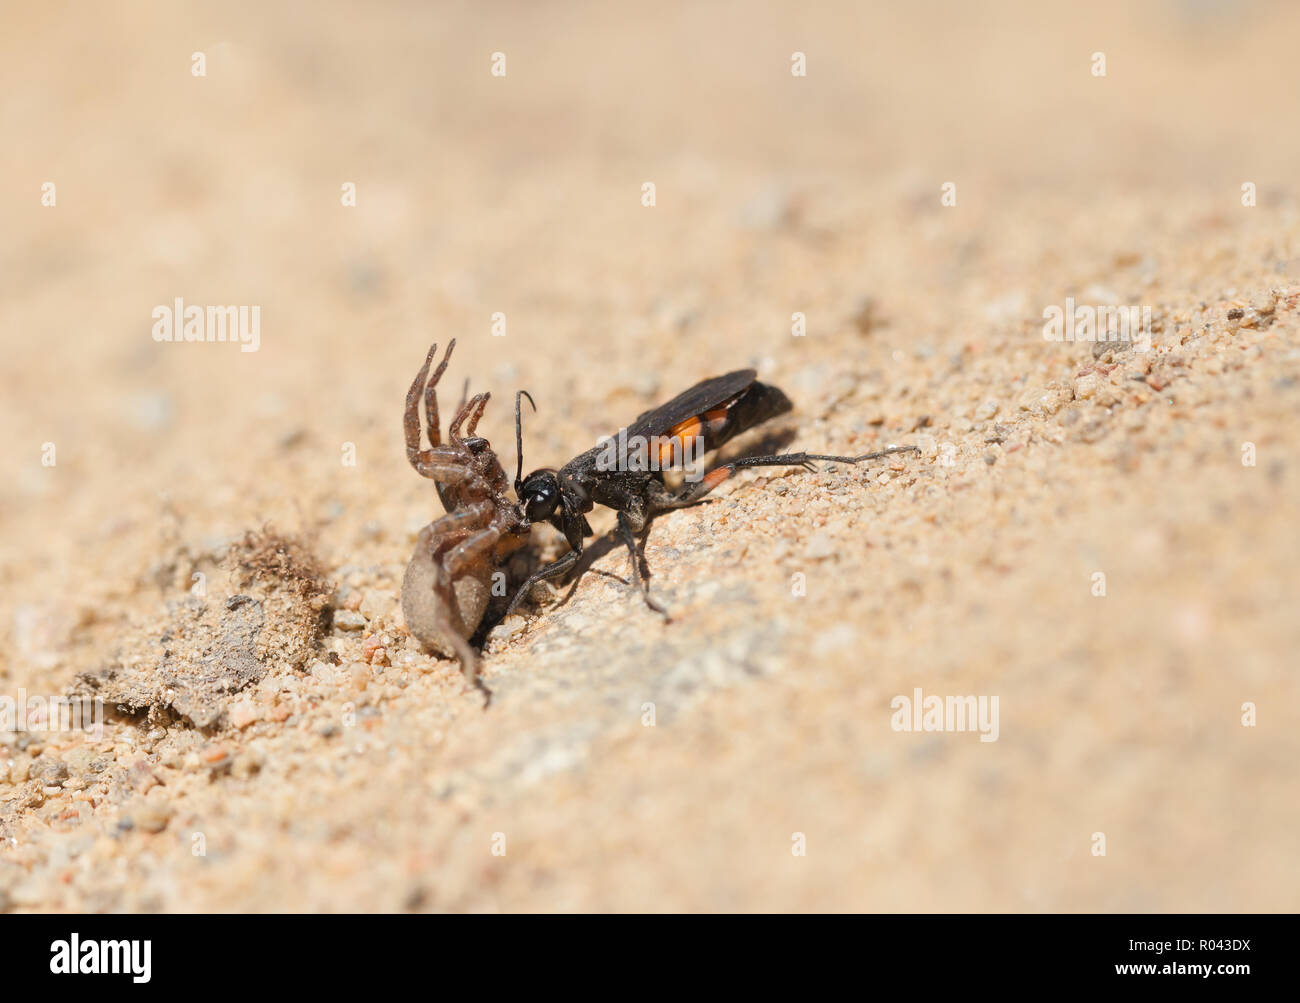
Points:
(691, 493)
(629, 524)
(559, 567)
(805, 459)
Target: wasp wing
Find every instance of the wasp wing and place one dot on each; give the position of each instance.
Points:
(698, 420)
(704, 396)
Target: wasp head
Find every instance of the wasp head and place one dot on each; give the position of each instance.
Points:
(540, 494)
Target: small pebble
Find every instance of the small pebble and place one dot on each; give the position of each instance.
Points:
(508, 628)
(243, 713)
(1041, 401)
(143, 778)
(1264, 303)
(1093, 430)
(215, 754)
(152, 817)
(820, 545)
(48, 770)
(80, 761)
(866, 315)
(346, 619)
(374, 605)
(371, 646)
(769, 209)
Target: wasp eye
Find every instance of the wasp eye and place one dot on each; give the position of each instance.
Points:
(541, 495)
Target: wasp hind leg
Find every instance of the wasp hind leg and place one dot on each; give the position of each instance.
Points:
(693, 492)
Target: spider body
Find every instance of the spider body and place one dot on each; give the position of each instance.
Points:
(449, 577)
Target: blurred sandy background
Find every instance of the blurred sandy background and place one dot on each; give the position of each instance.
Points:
(966, 570)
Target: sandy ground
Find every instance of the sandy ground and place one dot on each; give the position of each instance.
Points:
(740, 757)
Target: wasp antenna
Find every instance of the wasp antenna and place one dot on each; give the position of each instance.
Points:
(519, 441)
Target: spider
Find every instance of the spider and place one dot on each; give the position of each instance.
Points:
(448, 580)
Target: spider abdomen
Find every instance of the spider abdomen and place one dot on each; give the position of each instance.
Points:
(427, 616)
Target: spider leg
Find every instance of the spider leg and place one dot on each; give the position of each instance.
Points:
(447, 466)
(457, 537)
(411, 415)
(431, 398)
(436, 618)
(465, 654)
(470, 550)
(476, 404)
(456, 526)
(477, 413)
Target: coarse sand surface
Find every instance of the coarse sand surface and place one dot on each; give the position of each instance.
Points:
(1101, 540)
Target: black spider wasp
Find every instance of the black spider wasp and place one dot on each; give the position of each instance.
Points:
(626, 474)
